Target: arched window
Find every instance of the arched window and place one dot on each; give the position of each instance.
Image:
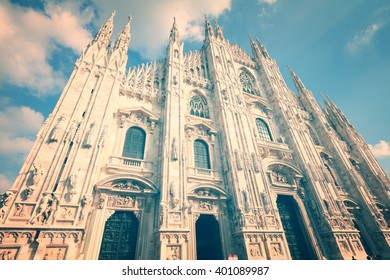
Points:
(263, 130)
(198, 107)
(134, 143)
(247, 83)
(201, 154)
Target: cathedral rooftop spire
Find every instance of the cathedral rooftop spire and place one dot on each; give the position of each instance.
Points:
(297, 81)
(208, 28)
(103, 36)
(174, 36)
(124, 37)
(218, 30)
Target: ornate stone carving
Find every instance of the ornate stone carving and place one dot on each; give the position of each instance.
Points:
(5, 203)
(174, 201)
(206, 206)
(85, 203)
(20, 210)
(122, 201)
(127, 185)
(8, 254)
(57, 130)
(173, 252)
(72, 184)
(90, 136)
(276, 249)
(174, 155)
(254, 251)
(54, 253)
(238, 159)
(48, 205)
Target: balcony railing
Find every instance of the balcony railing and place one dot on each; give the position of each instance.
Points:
(131, 162)
(204, 173)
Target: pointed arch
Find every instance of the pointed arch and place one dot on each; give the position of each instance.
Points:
(247, 81)
(134, 146)
(199, 107)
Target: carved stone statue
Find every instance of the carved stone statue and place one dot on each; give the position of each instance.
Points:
(5, 202)
(90, 136)
(46, 209)
(57, 130)
(85, 203)
(174, 149)
(73, 182)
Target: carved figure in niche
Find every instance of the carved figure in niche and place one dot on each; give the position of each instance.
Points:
(276, 249)
(172, 194)
(301, 193)
(175, 254)
(254, 250)
(20, 210)
(266, 203)
(174, 149)
(206, 205)
(85, 203)
(163, 212)
(90, 135)
(7, 255)
(245, 196)
(187, 210)
(56, 133)
(73, 182)
(123, 120)
(5, 202)
(344, 246)
(280, 177)
(54, 254)
(37, 174)
(46, 209)
(67, 213)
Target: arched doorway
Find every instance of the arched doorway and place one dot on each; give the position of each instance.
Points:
(295, 231)
(208, 238)
(119, 237)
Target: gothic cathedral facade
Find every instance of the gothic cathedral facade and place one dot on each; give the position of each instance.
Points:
(203, 155)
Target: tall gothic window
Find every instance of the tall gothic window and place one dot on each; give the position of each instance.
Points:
(247, 83)
(134, 143)
(198, 107)
(201, 154)
(263, 130)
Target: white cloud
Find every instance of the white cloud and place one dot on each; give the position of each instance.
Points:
(18, 126)
(269, 2)
(363, 38)
(5, 183)
(152, 20)
(381, 149)
(28, 39)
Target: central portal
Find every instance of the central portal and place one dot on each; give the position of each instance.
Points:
(208, 238)
(120, 237)
(292, 224)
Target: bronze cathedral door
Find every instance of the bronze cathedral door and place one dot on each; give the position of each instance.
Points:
(119, 237)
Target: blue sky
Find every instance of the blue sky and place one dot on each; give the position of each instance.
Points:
(339, 48)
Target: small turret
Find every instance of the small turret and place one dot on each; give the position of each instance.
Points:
(122, 43)
(218, 30)
(103, 36)
(174, 36)
(208, 28)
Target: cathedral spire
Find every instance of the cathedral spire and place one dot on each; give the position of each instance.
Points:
(263, 49)
(297, 81)
(255, 48)
(104, 34)
(174, 36)
(208, 28)
(218, 30)
(122, 43)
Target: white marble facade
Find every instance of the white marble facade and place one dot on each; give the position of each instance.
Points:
(209, 139)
